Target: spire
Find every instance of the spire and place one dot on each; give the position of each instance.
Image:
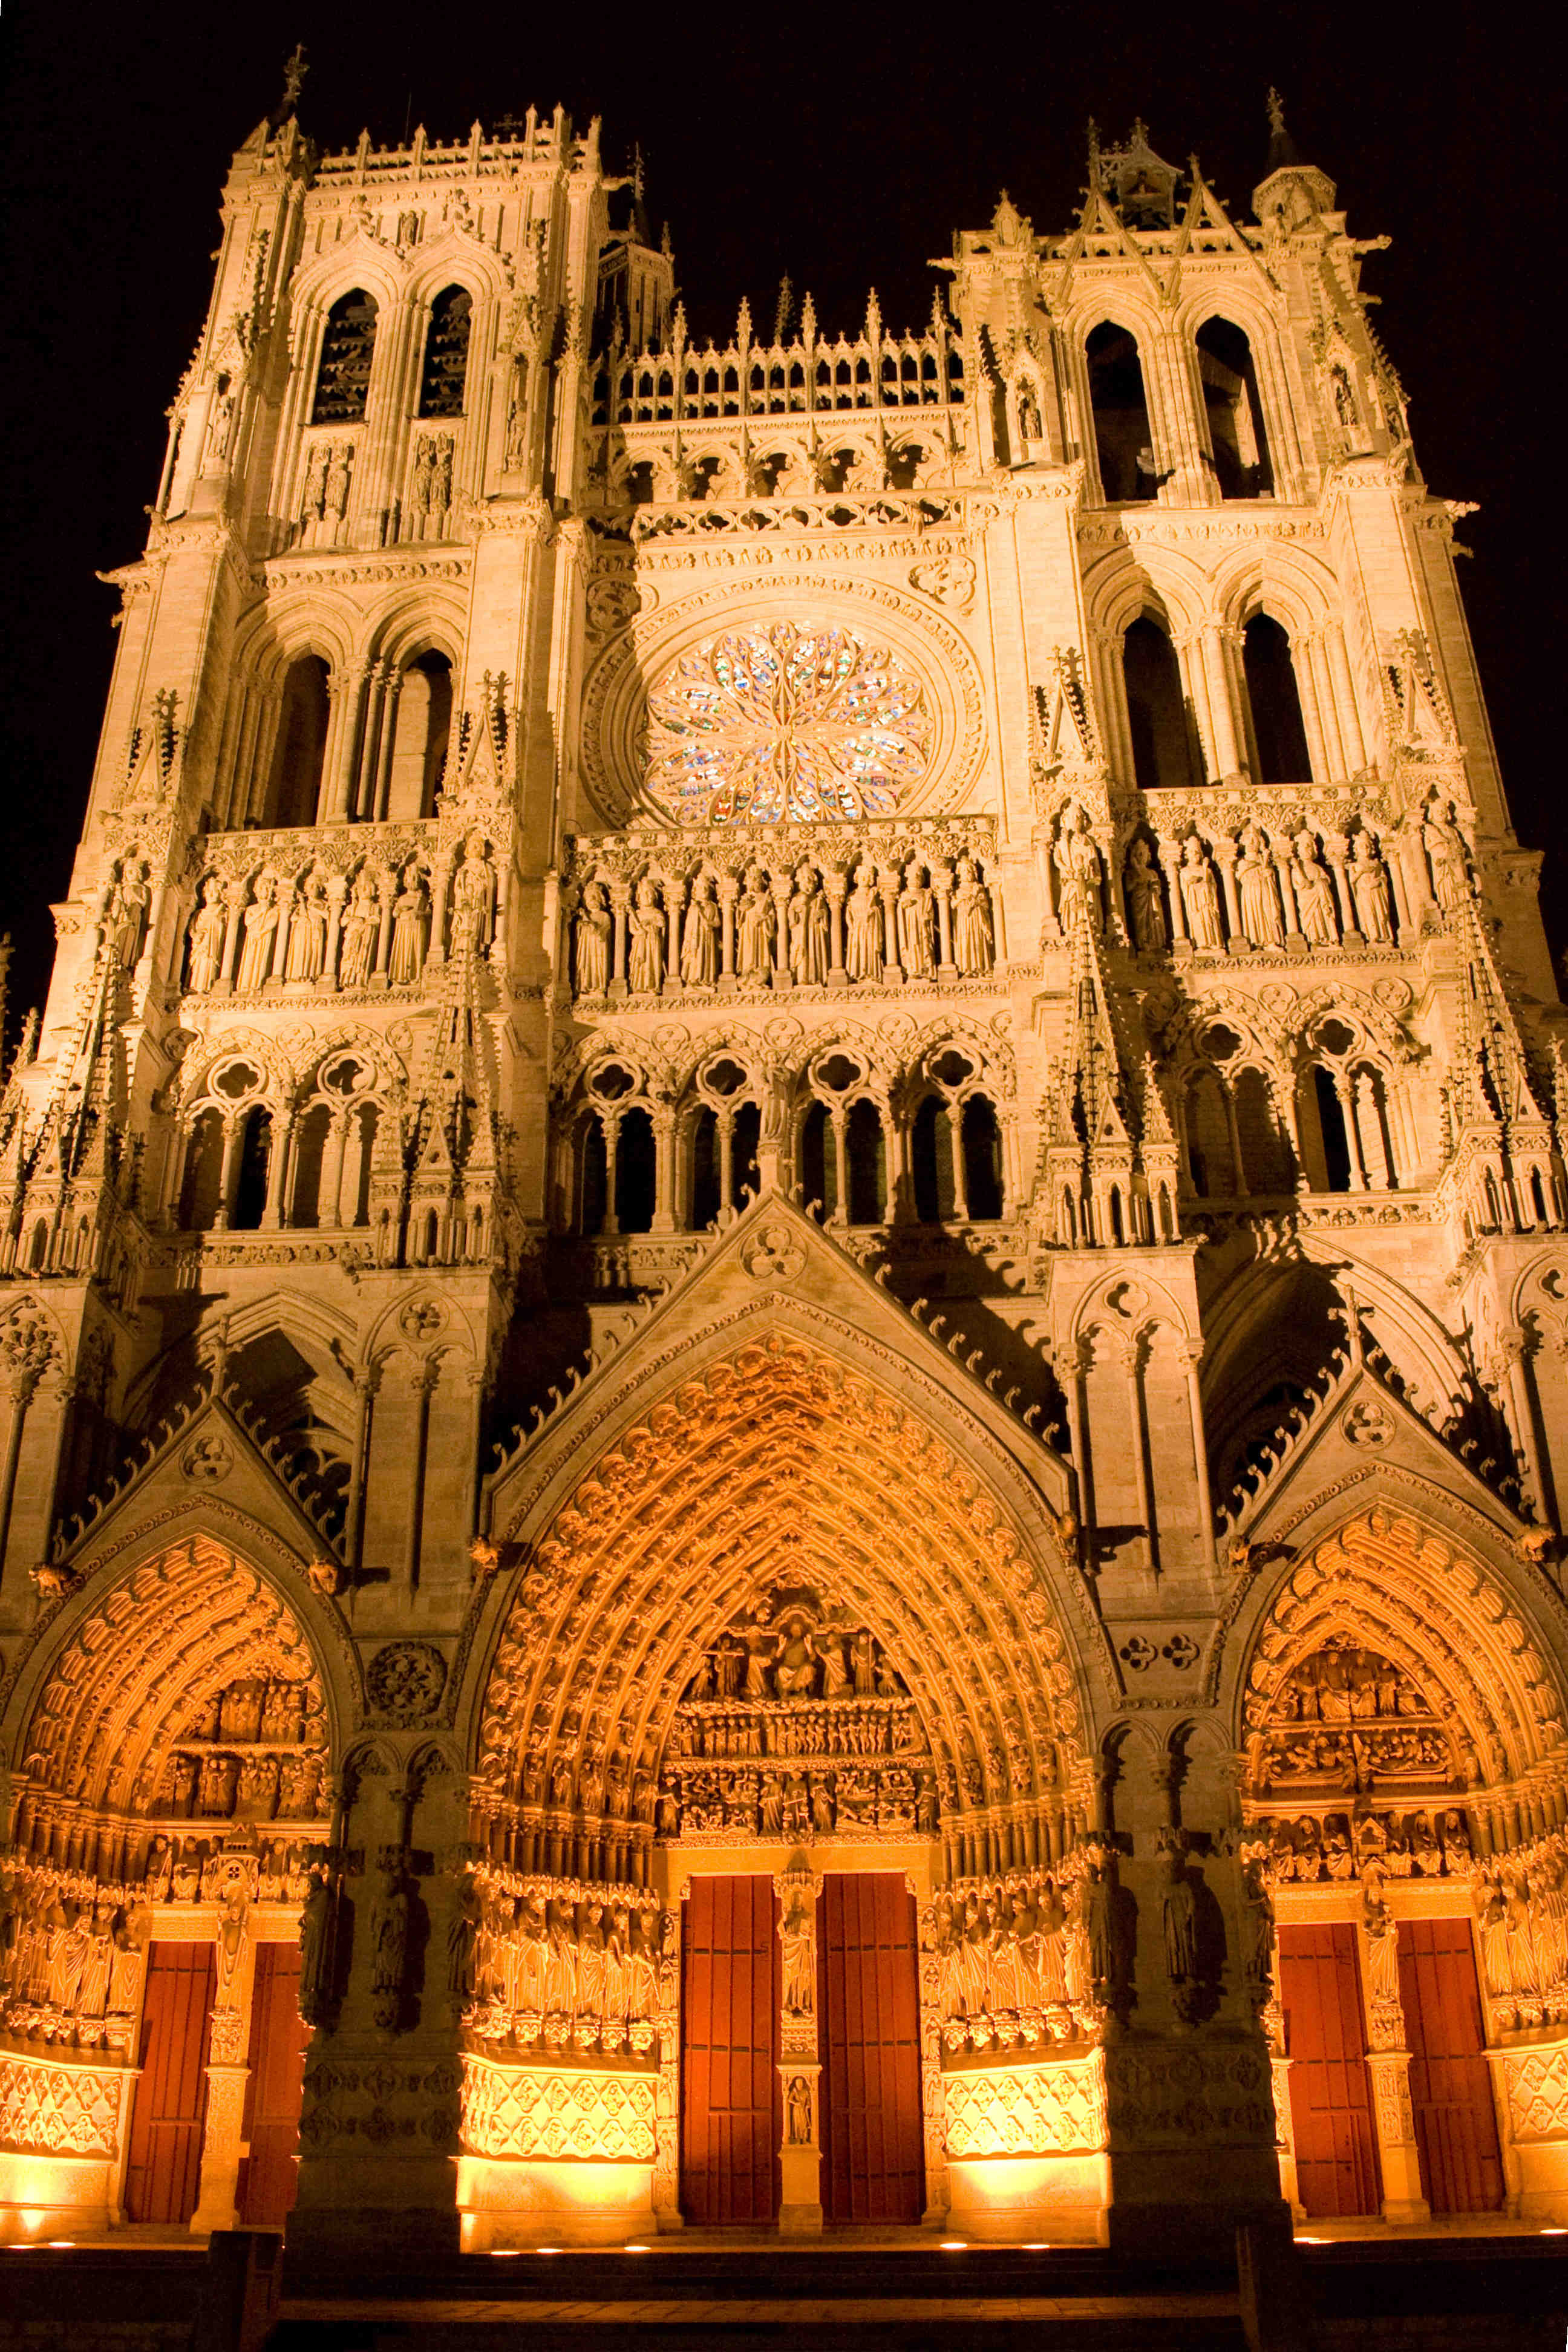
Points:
(294, 71)
(1282, 154)
(1499, 1160)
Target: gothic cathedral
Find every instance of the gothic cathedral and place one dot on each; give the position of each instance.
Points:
(784, 1289)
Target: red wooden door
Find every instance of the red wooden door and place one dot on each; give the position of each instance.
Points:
(272, 2096)
(163, 2164)
(730, 2104)
(1450, 2081)
(1331, 2092)
(868, 2021)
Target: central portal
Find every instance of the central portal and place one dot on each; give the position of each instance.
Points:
(734, 2114)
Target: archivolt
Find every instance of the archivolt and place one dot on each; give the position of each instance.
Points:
(779, 1467)
(1392, 1585)
(155, 1650)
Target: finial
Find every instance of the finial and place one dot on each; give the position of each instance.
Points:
(294, 71)
(1275, 112)
(638, 171)
(1094, 167)
(784, 305)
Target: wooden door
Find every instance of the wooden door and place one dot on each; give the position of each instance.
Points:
(272, 2096)
(730, 2104)
(869, 2024)
(1450, 2081)
(164, 2167)
(1330, 2091)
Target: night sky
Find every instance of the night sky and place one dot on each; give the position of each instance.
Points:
(836, 145)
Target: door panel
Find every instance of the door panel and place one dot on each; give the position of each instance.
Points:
(731, 2104)
(272, 2096)
(1331, 2092)
(1450, 2081)
(169, 2110)
(868, 2020)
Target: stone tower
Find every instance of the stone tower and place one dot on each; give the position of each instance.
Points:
(791, 1215)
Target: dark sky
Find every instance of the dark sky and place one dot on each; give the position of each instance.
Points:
(839, 144)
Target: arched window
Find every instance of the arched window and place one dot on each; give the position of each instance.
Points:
(250, 1177)
(634, 1172)
(1210, 1159)
(1234, 411)
(981, 1141)
(931, 1161)
(596, 1189)
(706, 1192)
(1275, 703)
(1121, 436)
(348, 347)
(1157, 710)
(199, 1192)
(1265, 1156)
(294, 786)
(305, 1205)
(865, 1151)
(422, 730)
(819, 1159)
(1325, 1144)
(709, 1190)
(446, 369)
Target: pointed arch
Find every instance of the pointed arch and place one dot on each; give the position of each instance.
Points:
(1387, 1584)
(775, 1465)
(194, 1658)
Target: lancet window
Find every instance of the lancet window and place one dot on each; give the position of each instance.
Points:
(348, 348)
(1164, 755)
(1123, 442)
(955, 1166)
(444, 376)
(1278, 736)
(1238, 442)
(298, 752)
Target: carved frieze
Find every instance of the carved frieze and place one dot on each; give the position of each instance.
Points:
(551, 2113)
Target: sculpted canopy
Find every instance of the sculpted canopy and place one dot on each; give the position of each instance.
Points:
(768, 725)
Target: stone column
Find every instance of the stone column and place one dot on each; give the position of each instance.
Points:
(800, 2157)
(666, 2097)
(217, 2206)
(1388, 2062)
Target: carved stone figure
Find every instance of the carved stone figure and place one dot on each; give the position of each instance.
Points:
(1145, 902)
(205, 953)
(591, 942)
(1369, 888)
(754, 927)
(1449, 857)
(973, 936)
(863, 929)
(809, 944)
(798, 1929)
(700, 937)
(1314, 893)
(1259, 898)
(408, 915)
(389, 1927)
(1078, 870)
(356, 952)
(1200, 896)
(474, 898)
(915, 909)
(644, 963)
(306, 953)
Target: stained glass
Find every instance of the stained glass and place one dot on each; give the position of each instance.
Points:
(784, 723)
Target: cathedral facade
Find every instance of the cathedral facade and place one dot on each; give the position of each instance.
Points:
(783, 1278)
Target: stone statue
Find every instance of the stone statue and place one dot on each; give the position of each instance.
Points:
(1314, 892)
(799, 1932)
(1369, 888)
(915, 904)
(1259, 898)
(591, 942)
(754, 927)
(863, 929)
(462, 1938)
(389, 1926)
(408, 929)
(474, 898)
(1200, 894)
(797, 2106)
(1178, 1917)
(974, 938)
(204, 954)
(645, 963)
(1145, 904)
(357, 947)
(1449, 857)
(809, 949)
(700, 938)
(317, 1924)
(1077, 861)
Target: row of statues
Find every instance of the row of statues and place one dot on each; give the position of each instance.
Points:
(795, 1660)
(810, 1729)
(329, 473)
(881, 921)
(1347, 1685)
(260, 1786)
(1013, 1961)
(1307, 886)
(747, 1801)
(1522, 1911)
(71, 1966)
(1317, 1846)
(269, 930)
(549, 1965)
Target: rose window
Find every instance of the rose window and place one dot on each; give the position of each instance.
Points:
(765, 725)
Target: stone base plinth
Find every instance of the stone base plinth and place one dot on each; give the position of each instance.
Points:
(1053, 2200)
(45, 2197)
(508, 2202)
